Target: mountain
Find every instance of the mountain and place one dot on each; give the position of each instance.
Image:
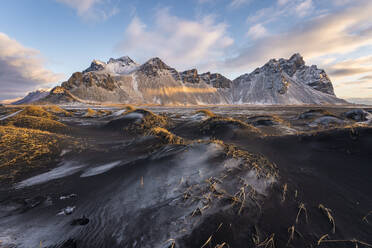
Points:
(122, 80)
(153, 82)
(285, 82)
(60, 95)
(33, 97)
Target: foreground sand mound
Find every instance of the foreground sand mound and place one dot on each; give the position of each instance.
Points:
(221, 125)
(314, 113)
(23, 150)
(39, 123)
(266, 120)
(138, 121)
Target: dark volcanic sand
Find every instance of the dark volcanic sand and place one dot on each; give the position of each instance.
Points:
(133, 191)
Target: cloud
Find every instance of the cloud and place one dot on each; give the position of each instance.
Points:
(182, 43)
(257, 31)
(332, 34)
(368, 77)
(351, 67)
(21, 69)
(282, 2)
(232, 4)
(304, 8)
(282, 8)
(237, 3)
(92, 9)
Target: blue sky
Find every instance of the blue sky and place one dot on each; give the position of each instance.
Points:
(42, 42)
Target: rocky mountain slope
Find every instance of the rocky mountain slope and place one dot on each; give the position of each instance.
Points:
(283, 81)
(33, 96)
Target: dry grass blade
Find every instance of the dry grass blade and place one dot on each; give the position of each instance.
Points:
(291, 231)
(224, 244)
(268, 242)
(208, 241)
(173, 244)
(197, 211)
(328, 213)
(354, 241)
(322, 238)
(239, 198)
(256, 236)
(301, 208)
(284, 193)
(219, 226)
(365, 218)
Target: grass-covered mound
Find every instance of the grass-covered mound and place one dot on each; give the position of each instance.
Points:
(266, 120)
(138, 121)
(165, 136)
(219, 125)
(38, 112)
(39, 123)
(57, 110)
(91, 113)
(23, 149)
(205, 112)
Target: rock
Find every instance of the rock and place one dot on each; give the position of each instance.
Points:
(96, 65)
(67, 211)
(357, 115)
(190, 76)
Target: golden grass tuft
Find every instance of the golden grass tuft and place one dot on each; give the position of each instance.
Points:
(150, 120)
(129, 107)
(91, 113)
(206, 112)
(38, 112)
(54, 109)
(22, 149)
(210, 125)
(39, 123)
(262, 166)
(166, 136)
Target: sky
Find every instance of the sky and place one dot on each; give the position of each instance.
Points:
(42, 42)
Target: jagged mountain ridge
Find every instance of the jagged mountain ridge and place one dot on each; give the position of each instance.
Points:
(283, 81)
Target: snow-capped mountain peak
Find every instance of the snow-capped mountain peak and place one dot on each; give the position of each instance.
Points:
(121, 66)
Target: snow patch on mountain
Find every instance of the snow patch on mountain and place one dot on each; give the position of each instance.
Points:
(121, 66)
